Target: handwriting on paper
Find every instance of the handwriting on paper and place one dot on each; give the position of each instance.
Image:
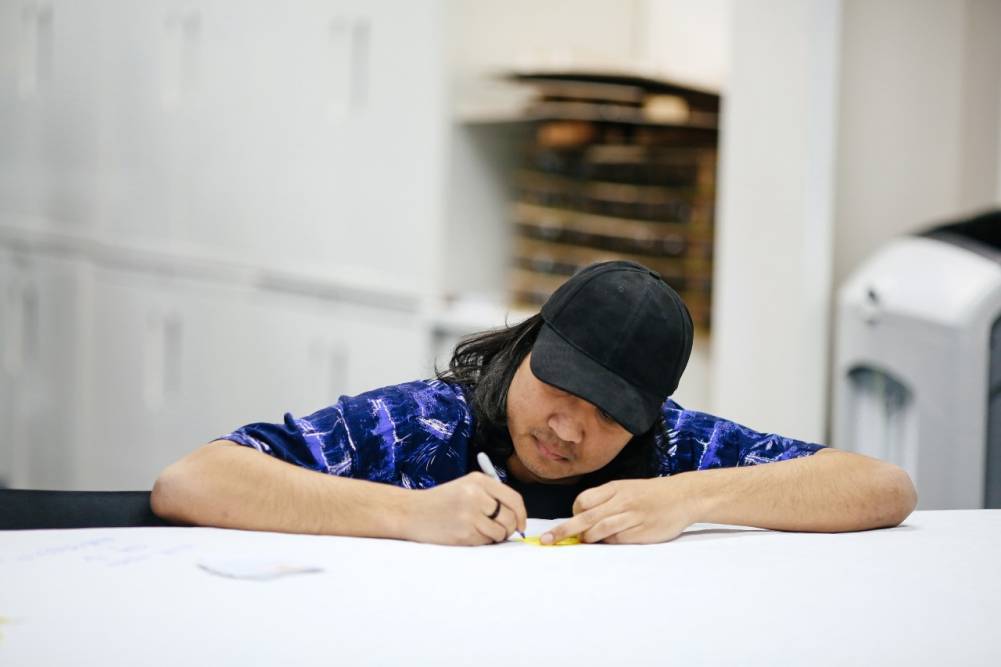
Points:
(106, 550)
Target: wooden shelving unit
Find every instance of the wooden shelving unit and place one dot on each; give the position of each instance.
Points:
(619, 167)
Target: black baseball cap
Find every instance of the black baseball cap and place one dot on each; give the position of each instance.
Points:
(616, 335)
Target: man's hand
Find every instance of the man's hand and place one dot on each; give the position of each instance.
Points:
(630, 511)
(458, 512)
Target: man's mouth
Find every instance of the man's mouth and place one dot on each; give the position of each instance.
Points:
(548, 451)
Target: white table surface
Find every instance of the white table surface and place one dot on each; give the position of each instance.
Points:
(925, 593)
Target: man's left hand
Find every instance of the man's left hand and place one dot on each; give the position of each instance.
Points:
(630, 511)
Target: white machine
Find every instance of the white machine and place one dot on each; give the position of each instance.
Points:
(918, 362)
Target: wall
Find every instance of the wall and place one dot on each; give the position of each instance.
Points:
(688, 41)
(845, 124)
(920, 115)
(919, 119)
(772, 270)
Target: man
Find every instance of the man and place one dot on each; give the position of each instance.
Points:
(572, 406)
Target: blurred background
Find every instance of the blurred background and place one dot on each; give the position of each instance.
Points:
(216, 211)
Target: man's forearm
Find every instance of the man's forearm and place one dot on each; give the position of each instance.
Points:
(829, 491)
(231, 486)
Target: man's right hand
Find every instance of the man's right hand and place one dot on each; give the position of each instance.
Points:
(458, 512)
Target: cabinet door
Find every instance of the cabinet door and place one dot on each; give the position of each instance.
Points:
(319, 139)
(9, 347)
(148, 59)
(362, 158)
(254, 355)
(308, 133)
(354, 348)
(138, 342)
(178, 363)
(45, 320)
(50, 114)
(281, 352)
(173, 362)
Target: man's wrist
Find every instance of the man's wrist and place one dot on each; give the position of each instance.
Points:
(702, 493)
(398, 513)
(372, 509)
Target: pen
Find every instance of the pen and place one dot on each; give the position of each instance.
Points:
(488, 467)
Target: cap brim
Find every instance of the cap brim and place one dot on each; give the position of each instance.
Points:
(555, 361)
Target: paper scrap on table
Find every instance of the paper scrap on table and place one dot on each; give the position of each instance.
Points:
(254, 568)
(537, 541)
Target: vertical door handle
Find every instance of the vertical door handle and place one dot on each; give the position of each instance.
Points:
(162, 372)
(350, 44)
(20, 341)
(36, 47)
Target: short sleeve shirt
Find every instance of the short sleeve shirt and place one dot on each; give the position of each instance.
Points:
(418, 434)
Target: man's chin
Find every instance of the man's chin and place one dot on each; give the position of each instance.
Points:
(539, 475)
(550, 479)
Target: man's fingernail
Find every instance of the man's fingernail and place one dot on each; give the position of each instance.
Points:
(547, 538)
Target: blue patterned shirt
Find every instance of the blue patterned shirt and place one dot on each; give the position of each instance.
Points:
(418, 434)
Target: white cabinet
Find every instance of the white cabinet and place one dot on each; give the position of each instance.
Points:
(179, 362)
(317, 132)
(186, 153)
(147, 53)
(137, 382)
(44, 319)
(362, 139)
(8, 377)
(50, 177)
(284, 134)
(281, 134)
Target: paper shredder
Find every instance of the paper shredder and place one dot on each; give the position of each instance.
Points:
(917, 361)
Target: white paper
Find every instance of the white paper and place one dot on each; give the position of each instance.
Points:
(255, 568)
(714, 595)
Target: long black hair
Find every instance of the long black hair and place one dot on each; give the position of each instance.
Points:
(484, 364)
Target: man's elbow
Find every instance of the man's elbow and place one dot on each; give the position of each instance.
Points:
(164, 499)
(180, 486)
(898, 494)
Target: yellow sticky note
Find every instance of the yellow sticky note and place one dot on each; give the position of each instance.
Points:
(537, 541)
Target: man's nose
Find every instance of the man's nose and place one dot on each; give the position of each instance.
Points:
(566, 428)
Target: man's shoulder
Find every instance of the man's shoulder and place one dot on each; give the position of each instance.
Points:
(423, 426)
(426, 392)
(427, 401)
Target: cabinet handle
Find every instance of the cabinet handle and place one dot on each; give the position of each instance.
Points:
(360, 38)
(163, 354)
(36, 47)
(179, 62)
(22, 329)
(349, 49)
(12, 331)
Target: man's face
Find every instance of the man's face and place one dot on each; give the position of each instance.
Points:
(557, 436)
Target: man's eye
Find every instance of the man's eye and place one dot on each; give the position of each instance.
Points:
(604, 415)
